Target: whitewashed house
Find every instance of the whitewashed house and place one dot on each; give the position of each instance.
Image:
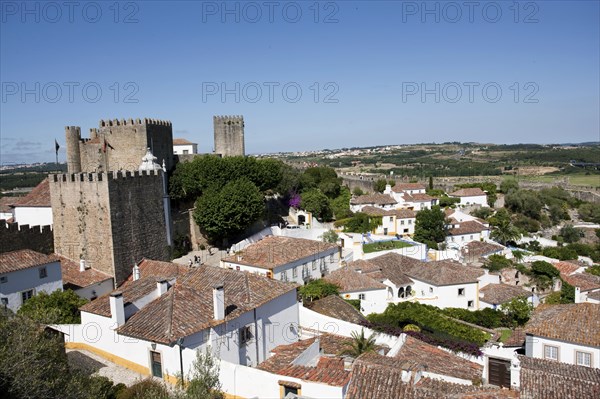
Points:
(567, 333)
(377, 200)
(85, 281)
(460, 233)
(395, 221)
(184, 147)
(287, 259)
(34, 209)
(25, 273)
(495, 295)
(154, 325)
(410, 196)
(373, 295)
(470, 196)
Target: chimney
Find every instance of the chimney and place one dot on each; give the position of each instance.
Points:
(81, 265)
(136, 272)
(161, 287)
(117, 309)
(359, 271)
(219, 302)
(388, 189)
(577, 295)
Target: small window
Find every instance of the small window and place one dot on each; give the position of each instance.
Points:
(402, 222)
(294, 272)
(406, 230)
(43, 272)
(470, 304)
(431, 290)
(583, 359)
(361, 296)
(409, 221)
(186, 151)
(391, 218)
(314, 265)
(471, 236)
(245, 335)
(550, 352)
(287, 390)
(461, 292)
(3, 279)
(25, 295)
(331, 258)
(401, 292)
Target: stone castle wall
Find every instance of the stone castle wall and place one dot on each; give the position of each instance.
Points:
(229, 135)
(14, 237)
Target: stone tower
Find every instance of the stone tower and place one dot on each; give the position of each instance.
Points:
(119, 145)
(229, 135)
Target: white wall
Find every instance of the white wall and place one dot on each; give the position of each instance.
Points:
(375, 301)
(179, 149)
(417, 251)
(27, 279)
(465, 238)
(534, 347)
(405, 224)
(474, 200)
(33, 216)
(446, 296)
(96, 290)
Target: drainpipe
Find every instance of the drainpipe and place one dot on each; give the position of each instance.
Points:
(256, 337)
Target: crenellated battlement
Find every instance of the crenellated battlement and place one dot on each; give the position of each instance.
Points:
(228, 118)
(102, 176)
(132, 122)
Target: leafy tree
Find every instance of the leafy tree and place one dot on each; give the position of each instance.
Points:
(526, 223)
(446, 201)
(509, 184)
(496, 263)
(518, 255)
(317, 289)
(330, 236)
(543, 268)
(483, 212)
(204, 378)
(357, 192)
(362, 223)
(526, 202)
(570, 234)
(558, 213)
(518, 309)
(359, 344)
(317, 203)
(595, 270)
(59, 307)
(225, 213)
(431, 182)
(430, 225)
(341, 204)
(504, 231)
(564, 253)
(379, 185)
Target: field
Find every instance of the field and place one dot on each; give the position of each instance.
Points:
(574, 179)
(384, 246)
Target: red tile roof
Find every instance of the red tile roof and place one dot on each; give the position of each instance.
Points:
(585, 281)
(382, 270)
(401, 187)
(468, 192)
(182, 142)
(575, 322)
(274, 251)
(399, 213)
(497, 294)
(38, 197)
(336, 307)
(594, 295)
(72, 276)
(7, 202)
(566, 268)
(419, 197)
(350, 280)
(476, 249)
(157, 268)
(23, 259)
(377, 198)
(467, 228)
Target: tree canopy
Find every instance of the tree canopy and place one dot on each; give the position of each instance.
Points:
(59, 307)
(430, 227)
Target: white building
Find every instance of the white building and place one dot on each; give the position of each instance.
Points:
(377, 200)
(184, 147)
(85, 281)
(6, 210)
(155, 325)
(464, 232)
(494, 295)
(25, 273)
(395, 221)
(566, 333)
(287, 259)
(410, 196)
(34, 209)
(470, 196)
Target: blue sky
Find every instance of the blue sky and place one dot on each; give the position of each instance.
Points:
(370, 73)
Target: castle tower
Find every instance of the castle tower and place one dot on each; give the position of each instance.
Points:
(73, 137)
(229, 135)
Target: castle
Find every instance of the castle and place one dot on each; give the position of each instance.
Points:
(119, 145)
(108, 210)
(229, 136)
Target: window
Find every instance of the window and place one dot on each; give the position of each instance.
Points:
(294, 272)
(186, 151)
(245, 335)
(284, 276)
(156, 364)
(3, 279)
(469, 304)
(401, 292)
(461, 292)
(583, 359)
(314, 265)
(408, 291)
(406, 230)
(402, 222)
(431, 290)
(331, 258)
(550, 352)
(391, 218)
(43, 272)
(471, 236)
(361, 296)
(287, 390)
(25, 295)
(409, 221)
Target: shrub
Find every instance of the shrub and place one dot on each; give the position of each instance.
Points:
(496, 263)
(317, 289)
(145, 389)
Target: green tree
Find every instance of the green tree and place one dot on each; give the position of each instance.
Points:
(526, 202)
(359, 344)
(430, 226)
(431, 182)
(496, 263)
(570, 234)
(589, 212)
(362, 223)
(228, 212)
(341, 205)
(145, 389)
(204, 378)
(379, 185)
(330, 236)
(59, 307)
(503, 230)
(317, 289)
(518, 309)
(509, 184)
(317, 203)
(357, 192)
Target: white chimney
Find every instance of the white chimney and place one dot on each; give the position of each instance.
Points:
(219, 302)
(161, 287)
(388, 189)
(358, 271)
(81, 265)
(117, 309)
(136, 272)
(577, 295)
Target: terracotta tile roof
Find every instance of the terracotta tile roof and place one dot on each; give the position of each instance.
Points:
(547, 379)
(351, 281)
(382, 199)
(73, 277)
(575, 322)
(329, 369)
(438, 361)
(336, 307)
(187, 307)
(476, 249)
(23, 259)
(467, 228)
(401, 187)
(594, 295)
(566, 268)
(516, 339)
(38, 197)
(157, 268)
(468, 192)
(419, 197)
(437, 273)
(6, 202)
(399, 213)
(497, 294)
(182, 142)
(365, 266)
(274, 251)
(585, 281)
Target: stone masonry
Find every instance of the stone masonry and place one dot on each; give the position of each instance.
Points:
(229, 136)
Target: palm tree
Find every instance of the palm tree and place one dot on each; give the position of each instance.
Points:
(359, 344)
(504, 231)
